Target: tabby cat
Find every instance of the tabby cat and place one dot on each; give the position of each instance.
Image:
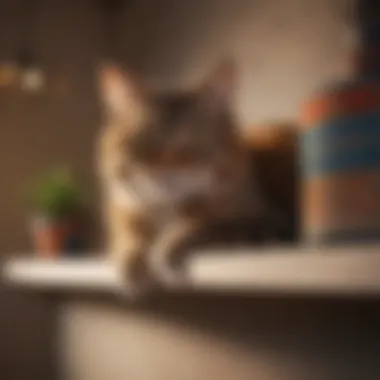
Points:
(174, 171)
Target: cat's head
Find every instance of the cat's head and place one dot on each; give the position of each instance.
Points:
(180, 128)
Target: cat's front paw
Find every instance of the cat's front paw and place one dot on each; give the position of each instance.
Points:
(137, 278)
(168, 274)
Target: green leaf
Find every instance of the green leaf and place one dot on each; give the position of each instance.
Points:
(55, 194)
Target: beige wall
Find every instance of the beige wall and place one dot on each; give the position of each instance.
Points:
(284, 48)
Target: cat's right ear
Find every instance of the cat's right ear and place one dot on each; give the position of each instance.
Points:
(118, 90)
(219, 88)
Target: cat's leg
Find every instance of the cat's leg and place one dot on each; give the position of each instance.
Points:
(167, 256)
(172, 245)
(129, 238)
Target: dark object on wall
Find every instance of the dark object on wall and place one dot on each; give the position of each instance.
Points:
(275, 161)
(31, 69)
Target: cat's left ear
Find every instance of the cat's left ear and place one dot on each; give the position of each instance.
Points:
(119, 92)
(219, 87)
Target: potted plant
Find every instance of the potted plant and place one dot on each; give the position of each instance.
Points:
(57, 208)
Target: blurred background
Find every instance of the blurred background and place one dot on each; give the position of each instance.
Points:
(284, 51)
(49, 116)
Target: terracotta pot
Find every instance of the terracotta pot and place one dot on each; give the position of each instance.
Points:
(55, 237)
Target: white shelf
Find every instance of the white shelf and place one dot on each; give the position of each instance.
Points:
(350, 270)
(66, 274)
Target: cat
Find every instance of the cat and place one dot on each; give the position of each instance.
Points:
(174, 170)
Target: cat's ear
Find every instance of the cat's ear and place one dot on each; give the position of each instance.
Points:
(220, 85)
(119, 91)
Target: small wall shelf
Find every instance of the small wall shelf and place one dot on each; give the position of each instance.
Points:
(352, 270)
(64, 274)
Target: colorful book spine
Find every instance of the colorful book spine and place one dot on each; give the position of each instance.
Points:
(340, 149)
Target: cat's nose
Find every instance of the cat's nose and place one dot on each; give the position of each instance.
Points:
(169, 157)
(176, 156)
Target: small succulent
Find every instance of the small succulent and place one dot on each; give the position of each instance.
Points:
(55, 195)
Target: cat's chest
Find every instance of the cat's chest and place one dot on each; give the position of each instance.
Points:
(161, 189)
